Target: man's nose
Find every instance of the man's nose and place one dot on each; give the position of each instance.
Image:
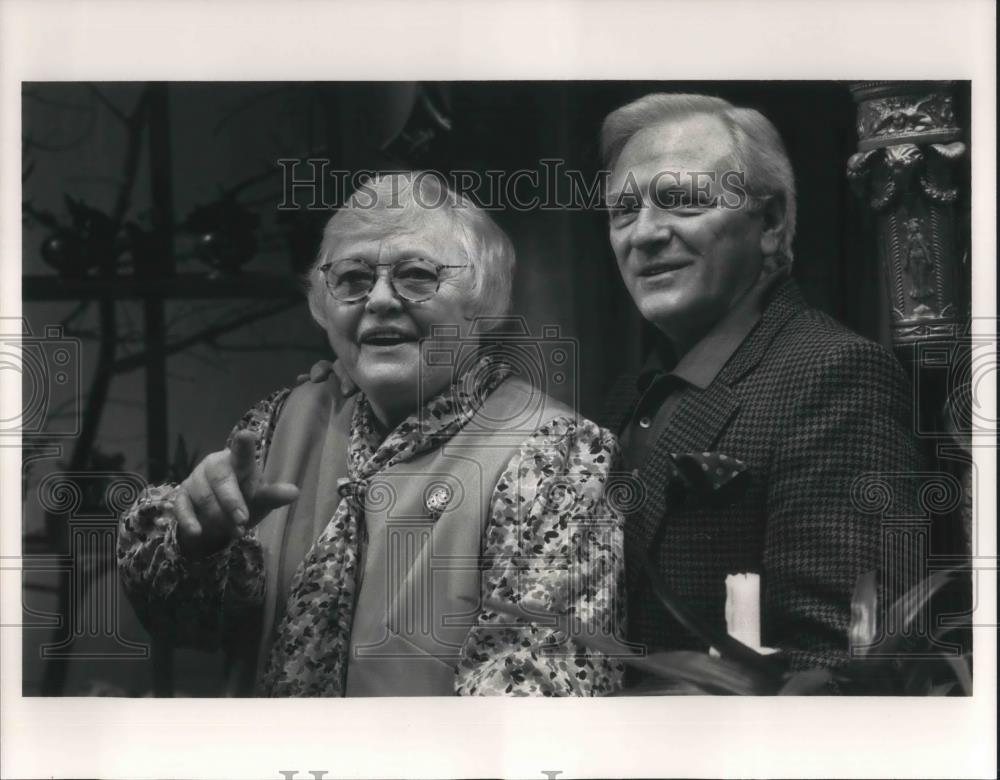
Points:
(382, 297)
(652, 226)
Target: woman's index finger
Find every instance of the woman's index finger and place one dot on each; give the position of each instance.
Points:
(243, 454)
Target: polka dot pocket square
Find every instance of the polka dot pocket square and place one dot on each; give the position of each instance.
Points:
(708, 477)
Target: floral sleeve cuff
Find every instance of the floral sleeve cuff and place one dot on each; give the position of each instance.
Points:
(180, 600)
(553, 566)
(184, 601)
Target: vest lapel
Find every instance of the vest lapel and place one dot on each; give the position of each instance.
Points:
(308, 440)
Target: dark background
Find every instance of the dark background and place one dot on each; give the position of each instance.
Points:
(228, 137)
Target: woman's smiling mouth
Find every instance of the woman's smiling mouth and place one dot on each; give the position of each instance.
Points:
(385, 337)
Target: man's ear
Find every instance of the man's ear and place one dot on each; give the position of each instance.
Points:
(773, 225)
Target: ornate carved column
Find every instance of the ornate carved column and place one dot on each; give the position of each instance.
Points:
(905, 168)
(910, 170)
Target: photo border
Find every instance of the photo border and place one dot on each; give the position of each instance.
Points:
(638, 737)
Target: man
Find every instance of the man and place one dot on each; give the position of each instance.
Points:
(702, 216)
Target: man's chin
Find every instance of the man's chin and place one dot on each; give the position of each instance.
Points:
(665, 309)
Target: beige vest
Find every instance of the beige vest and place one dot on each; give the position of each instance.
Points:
(425, 518)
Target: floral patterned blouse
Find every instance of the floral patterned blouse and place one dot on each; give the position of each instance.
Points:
(190, 603)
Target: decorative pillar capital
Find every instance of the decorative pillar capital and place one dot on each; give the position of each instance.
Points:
(904, 112)
(909, 149)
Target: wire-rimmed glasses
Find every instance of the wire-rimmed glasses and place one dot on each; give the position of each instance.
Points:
(413, 279)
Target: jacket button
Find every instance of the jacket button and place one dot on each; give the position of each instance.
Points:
(645, 422)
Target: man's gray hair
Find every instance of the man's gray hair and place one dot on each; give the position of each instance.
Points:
(757, 148)
(398, 203)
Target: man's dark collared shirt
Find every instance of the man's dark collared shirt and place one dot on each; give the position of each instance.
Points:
(662, 389)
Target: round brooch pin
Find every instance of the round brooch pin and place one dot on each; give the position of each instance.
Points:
(437, 499)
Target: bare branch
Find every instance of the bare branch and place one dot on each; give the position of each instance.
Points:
(106, 102)
(131, 164)
(31, 94)
(32, 141)
(213, 360)
(237, 188)
(246, 103)
(205, 336)
(78, 310)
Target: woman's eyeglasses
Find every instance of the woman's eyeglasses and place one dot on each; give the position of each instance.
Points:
(414, 280)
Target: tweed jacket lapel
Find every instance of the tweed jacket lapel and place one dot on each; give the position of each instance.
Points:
(700, 420)
(786, 301)
(697, 423)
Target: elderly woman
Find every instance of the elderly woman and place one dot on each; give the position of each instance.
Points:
(413, 538)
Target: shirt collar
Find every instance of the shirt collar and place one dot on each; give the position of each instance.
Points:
(658, 363)
(701, 364)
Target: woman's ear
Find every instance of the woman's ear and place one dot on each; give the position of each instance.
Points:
(472, 327)
(773, 225)
(472, 311)
(317, 307)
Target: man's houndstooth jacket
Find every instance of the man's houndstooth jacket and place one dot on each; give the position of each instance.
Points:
(810, 407)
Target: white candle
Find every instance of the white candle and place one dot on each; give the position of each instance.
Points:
(743, 608)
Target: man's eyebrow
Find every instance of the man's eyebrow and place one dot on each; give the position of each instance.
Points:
(615, 195)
